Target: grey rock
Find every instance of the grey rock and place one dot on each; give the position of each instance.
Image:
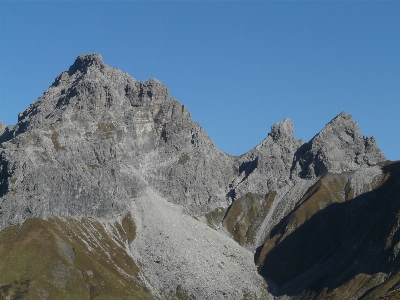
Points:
(267, 166)
(2, 127)
(6, 132)
(337, 148)
(97, 138)
(66, 249)
(61, 274)
(174, 248)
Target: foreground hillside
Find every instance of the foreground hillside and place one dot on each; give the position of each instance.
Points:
(341, 241)
(109, 190)
(66, 258)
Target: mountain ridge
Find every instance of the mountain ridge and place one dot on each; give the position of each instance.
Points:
(100, 145)
(91, 92)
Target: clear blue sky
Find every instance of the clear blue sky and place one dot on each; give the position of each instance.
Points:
(238, 66)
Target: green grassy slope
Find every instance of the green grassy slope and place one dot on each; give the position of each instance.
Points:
(68, 259)
(243, 217)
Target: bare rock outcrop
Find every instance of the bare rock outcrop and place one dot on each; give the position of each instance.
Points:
(337, 148)
(6, 132)
(2, 127)
(267, 166)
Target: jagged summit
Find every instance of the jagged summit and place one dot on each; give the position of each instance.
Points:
(267, 166)
(283, 128)
(338, 147)
(343, 122)
(112, 136)
(92, 90)
(342, 116)
(83, 62)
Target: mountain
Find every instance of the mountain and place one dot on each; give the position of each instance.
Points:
(109, 190)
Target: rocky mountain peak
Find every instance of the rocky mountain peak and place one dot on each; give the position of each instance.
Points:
(337, 148)
(343, 115)
(281, 129)
(83, 62)
(268, 166)
(112, 136)
(342, 123)
(90, 90)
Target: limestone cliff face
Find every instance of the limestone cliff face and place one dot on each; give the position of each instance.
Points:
(337, 148)
(96, 138)
(268, 166)
(281, 160)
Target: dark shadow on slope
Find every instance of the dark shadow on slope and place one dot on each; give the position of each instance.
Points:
(310, 164)
(303, 162)
(248, 167)
(337, 243)
(3, 178)
(231, 194)
(7, 135)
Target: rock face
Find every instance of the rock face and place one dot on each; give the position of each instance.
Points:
(268, 166)
(5, 132)
(100, 145)
(96, 138)
(337, 148)
(2, 128)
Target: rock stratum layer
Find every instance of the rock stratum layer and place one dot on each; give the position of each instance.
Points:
(109, 170)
